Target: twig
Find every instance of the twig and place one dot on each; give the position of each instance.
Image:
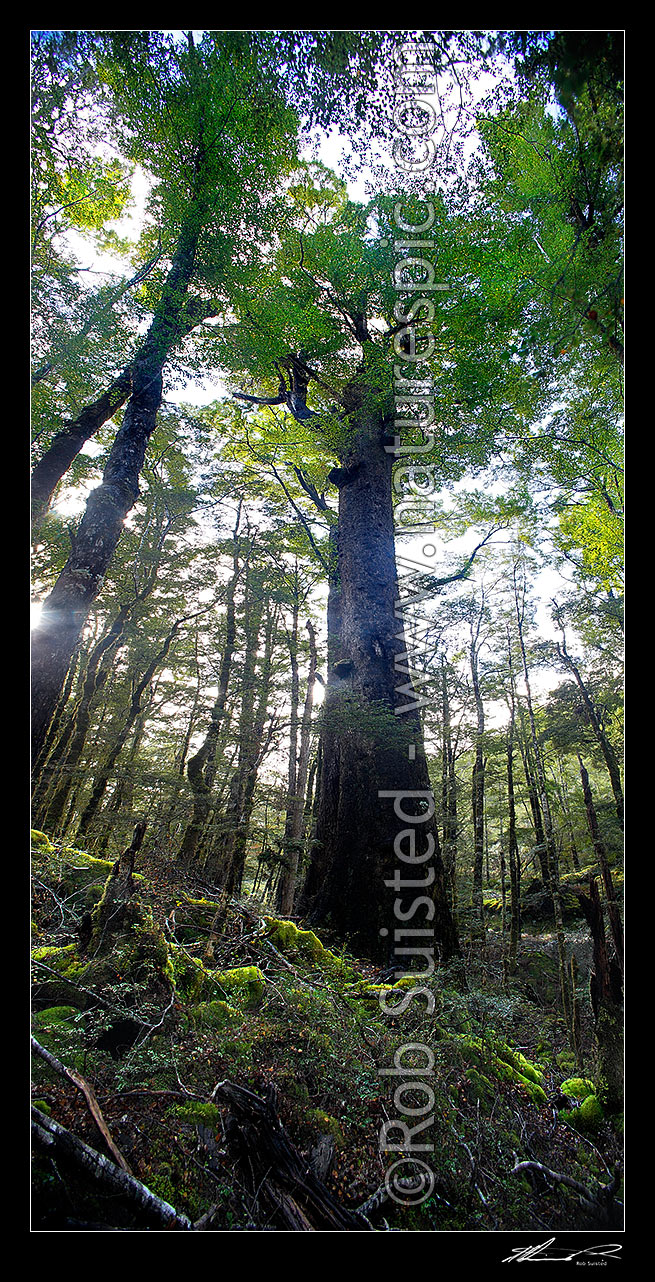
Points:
(89, 1095)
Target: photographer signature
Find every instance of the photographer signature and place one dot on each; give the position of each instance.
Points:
(542, 1252)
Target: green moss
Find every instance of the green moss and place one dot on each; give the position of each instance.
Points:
(244, 985)
(565, 1060)
(290, 938)
(61, 988)
(577, 1088)
(483, 1089)
(522, 1065)
(216, 1014)
(588, 1117)
(197, 1111)
(59, 1030)
(40, 841)
(503, 1063)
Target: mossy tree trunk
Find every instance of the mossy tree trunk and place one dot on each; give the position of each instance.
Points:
(607, 1004)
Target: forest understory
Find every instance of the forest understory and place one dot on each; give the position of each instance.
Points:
(246, 1094)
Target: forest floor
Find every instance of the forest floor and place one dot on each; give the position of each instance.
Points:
(247, 1090)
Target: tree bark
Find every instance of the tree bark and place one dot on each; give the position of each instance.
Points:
(597, 726)
(366, 748)
(67, 443)
(613, 913)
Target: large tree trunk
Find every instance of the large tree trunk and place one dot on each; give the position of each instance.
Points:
(367, 749)
(66, 609)
(607, 1003)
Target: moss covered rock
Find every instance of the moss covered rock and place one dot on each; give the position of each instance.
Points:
(291, 939)
(588, 1117)
(577, 1088)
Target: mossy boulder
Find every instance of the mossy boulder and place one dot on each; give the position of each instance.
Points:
(588, 1117)
(292, 940)
(60, 1030)
(577, 1088)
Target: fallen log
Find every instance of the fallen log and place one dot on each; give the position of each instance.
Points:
(275, 1172)
(55, 1141)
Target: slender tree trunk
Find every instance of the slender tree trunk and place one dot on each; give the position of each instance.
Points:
(223, 853)
(201, 767)
(613, 913)
(606, 748)
(104, 775)
(552, 861)
(512, 842)
(449, 793)
(367, 747)
(477, 790)
(66, 445)
(295, 816)
(68, 751)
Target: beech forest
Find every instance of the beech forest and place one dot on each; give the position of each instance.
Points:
(326, 637)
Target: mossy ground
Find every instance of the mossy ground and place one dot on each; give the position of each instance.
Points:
(283, 1007)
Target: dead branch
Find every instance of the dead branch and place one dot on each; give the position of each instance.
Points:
(87, 1090)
